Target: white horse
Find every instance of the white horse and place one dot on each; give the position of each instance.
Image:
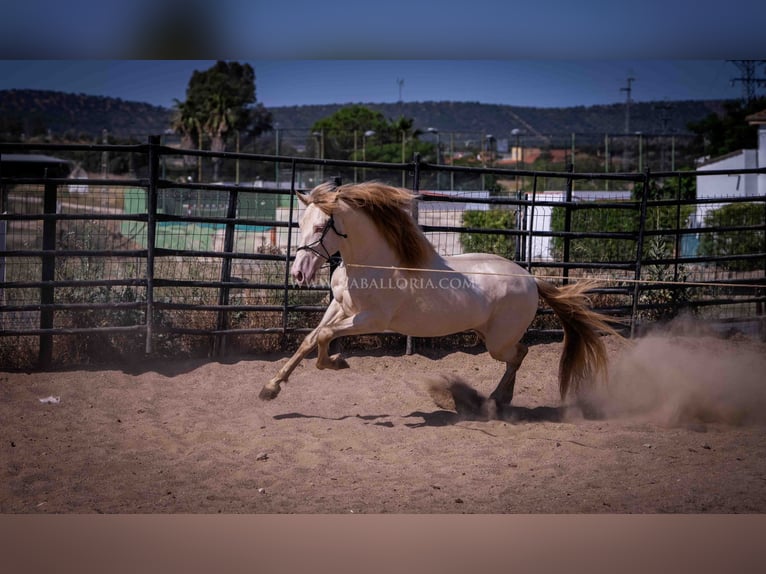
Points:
(392, 279)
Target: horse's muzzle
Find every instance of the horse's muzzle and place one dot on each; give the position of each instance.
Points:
(299, 277)
(304, 268)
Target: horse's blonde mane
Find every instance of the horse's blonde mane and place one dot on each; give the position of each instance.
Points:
(388, 207)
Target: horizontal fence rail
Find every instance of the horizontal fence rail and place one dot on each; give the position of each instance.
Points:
(150, 258)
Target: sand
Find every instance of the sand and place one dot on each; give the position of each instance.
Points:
(684, 432)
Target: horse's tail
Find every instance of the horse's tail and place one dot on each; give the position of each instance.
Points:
(584, 358)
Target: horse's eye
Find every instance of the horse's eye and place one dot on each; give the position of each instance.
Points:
(318, 228)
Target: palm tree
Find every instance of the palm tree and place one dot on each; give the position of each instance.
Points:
(404, 126)
(220, 119)
(220, 101)
(185, 122)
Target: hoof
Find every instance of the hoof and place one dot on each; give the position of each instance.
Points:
(339, 362)
(591, 410)
(334, 362)
(269, 391)
(491, 410)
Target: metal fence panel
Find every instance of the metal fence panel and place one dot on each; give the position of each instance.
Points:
(166, 262)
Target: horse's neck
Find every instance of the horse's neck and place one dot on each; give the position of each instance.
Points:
(364, 244)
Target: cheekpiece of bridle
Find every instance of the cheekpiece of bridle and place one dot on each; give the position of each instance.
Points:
(329, 226)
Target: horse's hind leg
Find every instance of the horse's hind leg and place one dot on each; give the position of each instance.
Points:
(359, 324)
(503, 393)
(327, 361)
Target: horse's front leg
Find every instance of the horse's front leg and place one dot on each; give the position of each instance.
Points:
(271, 389)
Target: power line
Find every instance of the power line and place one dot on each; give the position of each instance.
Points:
(748, 78)
(628, 90)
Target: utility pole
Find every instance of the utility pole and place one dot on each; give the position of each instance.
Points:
(104, 154)
(748, 78)
(664, 119)
(627, 90)
(664, 110)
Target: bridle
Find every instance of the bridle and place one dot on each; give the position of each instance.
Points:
(330, 225)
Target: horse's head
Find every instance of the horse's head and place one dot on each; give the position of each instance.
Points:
(319, 240)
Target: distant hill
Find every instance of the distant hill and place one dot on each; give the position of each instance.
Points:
(78, 116)
(646, 117)
(83, 117)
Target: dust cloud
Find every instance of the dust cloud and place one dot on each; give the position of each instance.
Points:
(682, 375)
(687, 378)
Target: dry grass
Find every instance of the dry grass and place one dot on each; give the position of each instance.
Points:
(21, 352)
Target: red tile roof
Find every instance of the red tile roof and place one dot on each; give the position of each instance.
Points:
(757, 118)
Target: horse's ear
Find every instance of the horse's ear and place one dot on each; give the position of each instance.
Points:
(303, 198)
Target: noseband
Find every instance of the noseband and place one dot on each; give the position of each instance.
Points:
(330, 225)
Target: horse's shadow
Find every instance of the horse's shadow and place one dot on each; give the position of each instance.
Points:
(441, 418)
(458, 402)
(461, 402)
(367, 418)
(506, 414)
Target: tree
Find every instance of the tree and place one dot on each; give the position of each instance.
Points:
(718, 135)
(344, 131)
(402, 143)
(219, 102)
(359, 133)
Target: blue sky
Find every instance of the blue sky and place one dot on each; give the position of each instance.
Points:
(539, 83)
(395, 29)
(542, 53)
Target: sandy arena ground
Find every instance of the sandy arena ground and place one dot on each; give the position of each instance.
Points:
(685, 432)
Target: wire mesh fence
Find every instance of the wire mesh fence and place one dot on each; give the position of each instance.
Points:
(156, 262)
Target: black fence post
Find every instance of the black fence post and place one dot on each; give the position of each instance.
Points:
(759, 308)
(639, 253)
(219, 342)
(3, 236)
(416, 188)
(531, 225)
(47, 292)
(152, 192)
(408, 350)
(678, 244)
(286, 285)
(520, 247)
(567, 225)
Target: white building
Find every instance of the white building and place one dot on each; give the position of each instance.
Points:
(759, 119)
(733, 185)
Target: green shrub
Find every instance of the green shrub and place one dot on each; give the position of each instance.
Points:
(497, 244)
(727, 243)
(595, 220)
(622, 220)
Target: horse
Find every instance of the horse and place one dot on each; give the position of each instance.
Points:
(391, 279)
